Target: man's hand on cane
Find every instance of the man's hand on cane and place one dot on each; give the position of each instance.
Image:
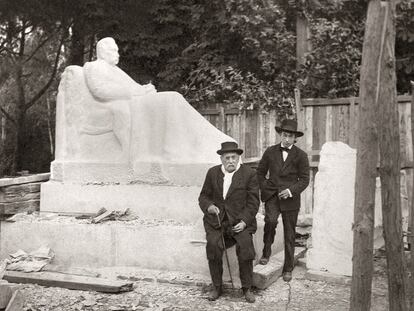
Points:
(212, 209)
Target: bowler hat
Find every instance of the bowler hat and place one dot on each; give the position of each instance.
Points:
(290, 126)
(229, 146)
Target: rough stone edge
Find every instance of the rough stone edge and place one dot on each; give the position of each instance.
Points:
(24, 179)
(321, 276)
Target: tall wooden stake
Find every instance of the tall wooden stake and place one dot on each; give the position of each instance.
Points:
(411, 220)
(389, 146)
(366, 167)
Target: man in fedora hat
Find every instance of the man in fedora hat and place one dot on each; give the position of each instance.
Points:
(288, 169)
(230, 193)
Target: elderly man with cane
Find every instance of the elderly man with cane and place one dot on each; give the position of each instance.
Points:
(229, 200)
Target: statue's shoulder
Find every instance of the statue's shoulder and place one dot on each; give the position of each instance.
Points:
(92, 65)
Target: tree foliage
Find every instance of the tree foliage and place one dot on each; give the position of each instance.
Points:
(337, 30)
(233, 52)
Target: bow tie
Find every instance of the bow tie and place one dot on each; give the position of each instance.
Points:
(284, 149)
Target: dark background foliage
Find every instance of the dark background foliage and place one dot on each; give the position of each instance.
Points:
(231, 52)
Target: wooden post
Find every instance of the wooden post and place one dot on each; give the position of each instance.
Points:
(366, 166)
(411, 216)
(222, 120)
(389, 147)
(300, 116)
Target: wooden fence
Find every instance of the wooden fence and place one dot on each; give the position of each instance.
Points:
(321, 120)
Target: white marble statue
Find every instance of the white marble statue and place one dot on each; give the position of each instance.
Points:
(104, 116)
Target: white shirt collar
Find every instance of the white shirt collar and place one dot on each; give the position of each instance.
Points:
(290, 147)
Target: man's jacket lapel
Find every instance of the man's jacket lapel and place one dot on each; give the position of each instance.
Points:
(279, 156)
(219, 181)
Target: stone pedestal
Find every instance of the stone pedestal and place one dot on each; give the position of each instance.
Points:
(156, 244)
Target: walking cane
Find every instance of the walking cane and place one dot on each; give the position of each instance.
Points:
(225, 250)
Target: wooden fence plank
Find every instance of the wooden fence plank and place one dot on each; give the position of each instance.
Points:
(329, 124)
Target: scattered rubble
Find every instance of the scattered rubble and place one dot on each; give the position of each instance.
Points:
(32, 262)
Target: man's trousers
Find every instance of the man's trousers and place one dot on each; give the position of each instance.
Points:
(244, 250)
(289, 218)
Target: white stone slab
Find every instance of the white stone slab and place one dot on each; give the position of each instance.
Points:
(333, 214)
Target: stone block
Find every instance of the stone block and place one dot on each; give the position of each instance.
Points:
(333, 213)
(266, 275)
(16, 302)
(6, 293)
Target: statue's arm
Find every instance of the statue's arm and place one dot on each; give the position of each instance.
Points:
(105, 83)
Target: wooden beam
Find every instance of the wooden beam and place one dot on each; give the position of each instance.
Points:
(78, 282)
(24, 179)
(367, 155)
(389, 143)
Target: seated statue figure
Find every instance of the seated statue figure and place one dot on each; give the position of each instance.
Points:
(119, 120)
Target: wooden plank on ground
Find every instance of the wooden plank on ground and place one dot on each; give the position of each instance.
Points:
(78, 282)
(265, 275)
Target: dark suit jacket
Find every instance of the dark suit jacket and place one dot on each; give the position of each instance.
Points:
(292, 174)
(242, 199)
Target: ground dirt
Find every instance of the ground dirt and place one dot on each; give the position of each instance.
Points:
(305, 295)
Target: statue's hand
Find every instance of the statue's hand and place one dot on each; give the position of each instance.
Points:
(150, 88)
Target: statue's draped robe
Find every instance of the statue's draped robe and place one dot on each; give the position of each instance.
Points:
(154, 127)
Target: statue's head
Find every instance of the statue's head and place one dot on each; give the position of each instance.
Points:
(107, 50)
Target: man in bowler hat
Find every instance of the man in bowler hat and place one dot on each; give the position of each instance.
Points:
(230, 193)
(288, 169)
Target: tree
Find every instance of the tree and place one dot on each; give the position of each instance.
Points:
(32, 49)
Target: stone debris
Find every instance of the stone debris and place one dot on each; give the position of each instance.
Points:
(30, 262)
(111, 215)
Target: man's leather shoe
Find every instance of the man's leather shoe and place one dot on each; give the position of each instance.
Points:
(287, 276)
(249, 295)
(263, 261)
(215, 293)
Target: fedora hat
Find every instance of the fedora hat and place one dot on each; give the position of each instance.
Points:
(290, 126)
(229, 146)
